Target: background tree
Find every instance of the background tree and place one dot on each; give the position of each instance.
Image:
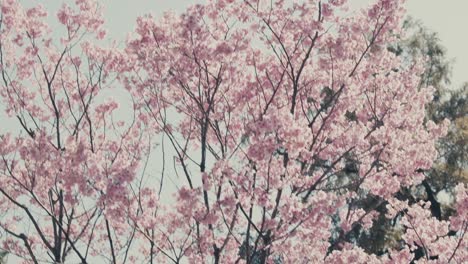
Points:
(449, 103)
(450, 167)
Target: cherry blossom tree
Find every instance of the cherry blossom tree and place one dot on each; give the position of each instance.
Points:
(66, 178)
(291, 124)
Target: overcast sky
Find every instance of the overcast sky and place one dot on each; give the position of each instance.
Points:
(449, 18)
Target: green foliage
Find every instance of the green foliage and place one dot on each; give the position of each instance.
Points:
(421, 41)
(450, 167)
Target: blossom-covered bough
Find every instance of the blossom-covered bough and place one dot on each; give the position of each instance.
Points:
(65, 178)
(291, 123)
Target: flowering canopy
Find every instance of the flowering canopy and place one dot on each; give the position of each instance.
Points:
(282, 117)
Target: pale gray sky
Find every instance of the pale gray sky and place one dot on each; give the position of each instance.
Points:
(448, 18)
